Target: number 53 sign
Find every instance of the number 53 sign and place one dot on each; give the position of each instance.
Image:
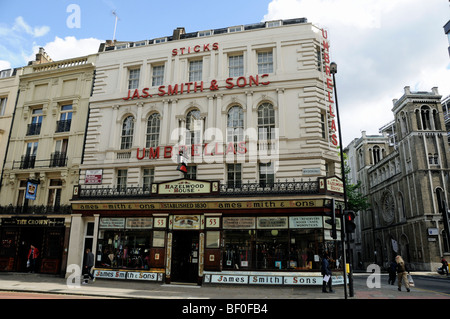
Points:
(212, 222)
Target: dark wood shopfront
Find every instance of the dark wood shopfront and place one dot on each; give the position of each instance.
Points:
(46, 234)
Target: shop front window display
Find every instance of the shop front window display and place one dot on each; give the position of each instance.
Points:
(276, 249)
(272, 248)
(124, 249)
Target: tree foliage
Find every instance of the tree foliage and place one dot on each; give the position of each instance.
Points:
(356, 201)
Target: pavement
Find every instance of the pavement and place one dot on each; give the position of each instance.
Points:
(125, 289)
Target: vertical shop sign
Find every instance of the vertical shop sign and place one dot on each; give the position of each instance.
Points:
(169, 255)
(329, 87)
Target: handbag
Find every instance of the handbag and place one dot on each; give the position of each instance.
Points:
(28, 263)
(410, 280)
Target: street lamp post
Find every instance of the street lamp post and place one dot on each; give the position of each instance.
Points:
(333, 71)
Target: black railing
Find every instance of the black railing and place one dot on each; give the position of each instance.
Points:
(36, 210)
(63, 126)
(26, 161)
(57, 159)
(244, 189)
(34, 129)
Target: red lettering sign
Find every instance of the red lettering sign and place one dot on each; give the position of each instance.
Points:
(195, 150)
(329, 86)
(200, 86)
(197, 48)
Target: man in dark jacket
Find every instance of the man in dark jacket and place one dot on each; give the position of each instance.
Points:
(88, 264)
(326, 273)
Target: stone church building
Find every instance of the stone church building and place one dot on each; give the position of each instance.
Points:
(405, 174)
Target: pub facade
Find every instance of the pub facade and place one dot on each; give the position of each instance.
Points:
(42, 158)
(211, 157)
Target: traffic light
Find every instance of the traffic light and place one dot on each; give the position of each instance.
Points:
(350, 225)
(332, 221)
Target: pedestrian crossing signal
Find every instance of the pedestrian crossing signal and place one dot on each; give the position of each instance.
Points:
(350, 225)
(332, 221)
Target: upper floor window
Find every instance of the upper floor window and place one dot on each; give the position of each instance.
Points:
(59, 157)
(234, 175)
(6, 73)
(65, 119)
(433, 159)
(36, 120)
(266, 122)
(205, 33)
(194, 127)
(3, 101)
(271, 24)
(122, 179)
(265, 62)
(153, 127)
(21, 199)
(236, 65)
(160, 40)
(148, 175)
(425, 116)
(140, 43)
(127, 133)
(195, 70)
(235, 124)
(122, 46)
(29, 159)
(235, 29)
(54, 193)
(191, 172)
(266, 174)
(133, 78)
(158, 75)
(361, 158)
(376, 152)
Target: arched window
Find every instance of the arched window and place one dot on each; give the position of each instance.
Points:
(419, 123)
(153, 126)
(425, 115)
(376, 154)
(401, 206)
(361, 158)
(235, 124)
(266, 122)
(127, 133)
(436, 122)
(403, 124)
(194, 127)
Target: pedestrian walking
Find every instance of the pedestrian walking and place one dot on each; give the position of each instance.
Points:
(326, 273)
(444, 265)
(88, 264)
(33, 254)
(402, 273)
(392, 270)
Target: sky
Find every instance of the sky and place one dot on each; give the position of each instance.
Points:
(380, 46)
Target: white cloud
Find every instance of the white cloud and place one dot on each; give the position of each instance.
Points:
(4, 65)
(69, 47)
(380, 47)
(21, 25)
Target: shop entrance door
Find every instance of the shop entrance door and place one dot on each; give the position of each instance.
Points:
(29, 236)
(185, 256)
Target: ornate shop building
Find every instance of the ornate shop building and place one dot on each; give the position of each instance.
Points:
(250, 108)
(45, 148)
(405, 173)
